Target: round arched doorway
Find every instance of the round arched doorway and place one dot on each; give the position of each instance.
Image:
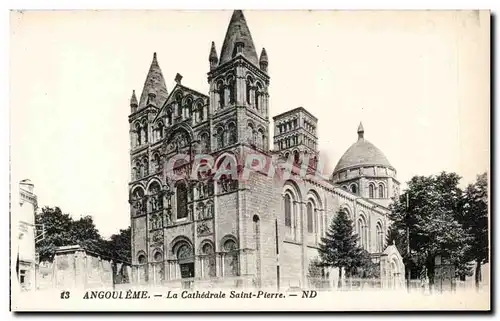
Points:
(185, 259)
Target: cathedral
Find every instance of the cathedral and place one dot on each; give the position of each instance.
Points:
(262, 230)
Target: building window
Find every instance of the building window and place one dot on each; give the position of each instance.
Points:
(371, 191)
(363, 233)
(182, 199)
(310, 218)
(220, 137)
(354, 189)
(381, 191)
(142, 259)
(288, 211)
(22, 277)
(231, 134)
(220, 92)
(380, 238)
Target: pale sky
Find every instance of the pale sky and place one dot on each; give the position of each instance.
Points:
(419, 82)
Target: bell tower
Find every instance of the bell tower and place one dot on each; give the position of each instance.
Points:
(239, 99)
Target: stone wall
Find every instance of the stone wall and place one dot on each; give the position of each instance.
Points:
(75, 267)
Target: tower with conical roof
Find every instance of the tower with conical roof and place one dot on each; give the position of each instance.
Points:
(239, 86)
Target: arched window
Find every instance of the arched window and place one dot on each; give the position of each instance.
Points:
(258, 96)
(230, 258)
(232, 90)
(220, 137)
(381, 191)
(160, 130)
(360, 231)
(145, 164)
(178, 99)
(182, 199)
(363, 232)
(144, 132)
(249, 90)
(142, 259)
(205, 143)
(288, 211)
(380, 238)
(371, 191)
(262, 139)
(188, 108)
(250, 135)
(169, 118)
(201, 114)
(310, 218)
(231, 134)
(354, 189)
(138, 133)
(220, 92)
(296, 158)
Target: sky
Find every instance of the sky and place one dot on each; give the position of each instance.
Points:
(419, 82)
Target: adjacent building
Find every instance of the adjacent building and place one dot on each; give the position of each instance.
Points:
(23, 220)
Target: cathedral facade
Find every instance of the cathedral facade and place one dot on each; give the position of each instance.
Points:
(251, 225)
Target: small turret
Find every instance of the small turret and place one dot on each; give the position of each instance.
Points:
(133, 102)
(263, 61)
(213, 57)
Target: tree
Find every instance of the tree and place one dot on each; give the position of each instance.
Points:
(62, 230)
(339, 248)
(475, 221)
(119, 245)
(429, 210)
(57, 227)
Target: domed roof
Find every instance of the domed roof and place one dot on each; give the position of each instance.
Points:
(362, 153)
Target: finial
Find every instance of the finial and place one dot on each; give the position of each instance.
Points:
(264, 60)
(178, 78)
(212, 58)
(133, 101)
(361, 131)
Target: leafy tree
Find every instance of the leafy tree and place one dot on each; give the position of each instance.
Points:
(339, 248)
(430, 209)
(475, 221)
(62, 230)
(57, 226)
(119, 245)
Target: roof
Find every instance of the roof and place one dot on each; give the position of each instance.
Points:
(238, 31)
(362, 153)
(155, 83)
(292, 111)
